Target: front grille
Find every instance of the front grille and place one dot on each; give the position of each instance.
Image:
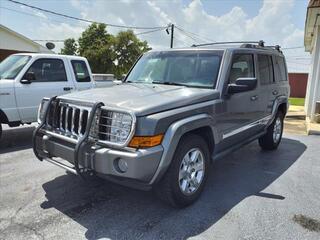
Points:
(68, 119)
(109, 126)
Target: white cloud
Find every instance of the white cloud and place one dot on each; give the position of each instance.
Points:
(273, 22)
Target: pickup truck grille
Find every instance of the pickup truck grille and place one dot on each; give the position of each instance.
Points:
(67, 119)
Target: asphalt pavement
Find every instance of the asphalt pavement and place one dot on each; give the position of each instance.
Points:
(250, 194)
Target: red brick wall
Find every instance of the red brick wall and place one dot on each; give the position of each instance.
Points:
(298, 84)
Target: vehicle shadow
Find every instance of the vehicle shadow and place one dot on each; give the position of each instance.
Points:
(15, 139)
(109, 211)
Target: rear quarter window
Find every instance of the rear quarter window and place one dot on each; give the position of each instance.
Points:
(280, 69)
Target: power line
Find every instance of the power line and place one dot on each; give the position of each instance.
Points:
(79, 19)
(203, 38)
(30, 14)
(151, 31)
(194, 39)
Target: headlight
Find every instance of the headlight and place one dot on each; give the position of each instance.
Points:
(41, 109)
(113, 127)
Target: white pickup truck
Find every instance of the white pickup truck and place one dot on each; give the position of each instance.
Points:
(26, 78)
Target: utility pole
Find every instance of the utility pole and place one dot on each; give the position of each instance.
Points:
(172, 30)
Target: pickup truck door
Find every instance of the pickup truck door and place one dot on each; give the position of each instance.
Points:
(81, 74)
(49, 79)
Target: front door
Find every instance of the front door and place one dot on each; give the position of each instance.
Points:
(241, 110)
(49, 80)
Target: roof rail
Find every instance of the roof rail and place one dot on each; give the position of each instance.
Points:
(260, 43)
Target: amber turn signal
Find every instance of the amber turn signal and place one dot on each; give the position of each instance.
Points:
(146, 141)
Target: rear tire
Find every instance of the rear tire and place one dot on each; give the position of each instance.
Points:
(272, 139)
(185, 179)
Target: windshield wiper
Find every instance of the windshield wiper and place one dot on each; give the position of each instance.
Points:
(169, 83)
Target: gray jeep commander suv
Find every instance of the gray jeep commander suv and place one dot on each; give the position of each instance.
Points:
(174, 114)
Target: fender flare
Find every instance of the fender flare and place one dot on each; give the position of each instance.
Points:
(277, 102)
(173, 135)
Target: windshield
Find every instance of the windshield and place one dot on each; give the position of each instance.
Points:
(187, 68)
(12, 65)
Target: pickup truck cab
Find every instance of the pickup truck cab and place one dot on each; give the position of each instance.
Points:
(25, 79)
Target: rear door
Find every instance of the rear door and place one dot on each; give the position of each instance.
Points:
(267, 83)
(81, 74)
(50, 80)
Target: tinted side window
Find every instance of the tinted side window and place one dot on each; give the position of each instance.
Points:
(80, 71)
(265, 69)
(242, 66)
(48, 70)
(280, 69)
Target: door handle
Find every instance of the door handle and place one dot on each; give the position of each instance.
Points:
(275, 92)
(254, 98)
(67, 88)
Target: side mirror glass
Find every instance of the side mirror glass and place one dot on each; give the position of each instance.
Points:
(28, 78)
(242, 85)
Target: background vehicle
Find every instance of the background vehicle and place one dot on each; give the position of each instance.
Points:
(25, 79)
(103, 80)
(176, 112)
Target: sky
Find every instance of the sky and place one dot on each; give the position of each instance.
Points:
(198, 21)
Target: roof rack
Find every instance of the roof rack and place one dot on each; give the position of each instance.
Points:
(260, 43)
(245, 44)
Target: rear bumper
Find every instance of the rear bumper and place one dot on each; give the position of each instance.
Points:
(102, 161)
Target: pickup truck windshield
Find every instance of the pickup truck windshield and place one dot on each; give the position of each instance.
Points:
(186, 68)
(12, 65)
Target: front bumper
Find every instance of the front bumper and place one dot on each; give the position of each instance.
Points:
(84, 155)
(102, 161)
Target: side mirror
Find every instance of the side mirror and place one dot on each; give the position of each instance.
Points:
(123, 77)
(242, 85)
(28, 78)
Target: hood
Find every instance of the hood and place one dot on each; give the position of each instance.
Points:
(145, 99)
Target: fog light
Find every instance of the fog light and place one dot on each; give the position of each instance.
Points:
(122, 165)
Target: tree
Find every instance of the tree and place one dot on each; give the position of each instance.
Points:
(127, 49)
(107, 53)
(70, 47)
(97, 46)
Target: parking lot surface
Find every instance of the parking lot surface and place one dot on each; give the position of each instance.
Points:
(250, 194)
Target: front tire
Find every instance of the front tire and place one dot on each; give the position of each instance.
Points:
(185, 179)
(272, 139)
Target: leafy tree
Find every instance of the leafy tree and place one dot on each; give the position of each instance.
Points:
(97, 46)
(107, 53)
(127, 49)
(70, 47)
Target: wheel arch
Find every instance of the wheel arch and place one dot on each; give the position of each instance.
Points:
(201, 124)
(3, 117)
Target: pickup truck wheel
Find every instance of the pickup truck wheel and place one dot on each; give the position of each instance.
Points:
(185, 179)
(272, 139)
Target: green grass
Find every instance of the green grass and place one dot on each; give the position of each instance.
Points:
(296, 101)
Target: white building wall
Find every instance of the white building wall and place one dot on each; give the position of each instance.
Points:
(313, 87)
(10, 40)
